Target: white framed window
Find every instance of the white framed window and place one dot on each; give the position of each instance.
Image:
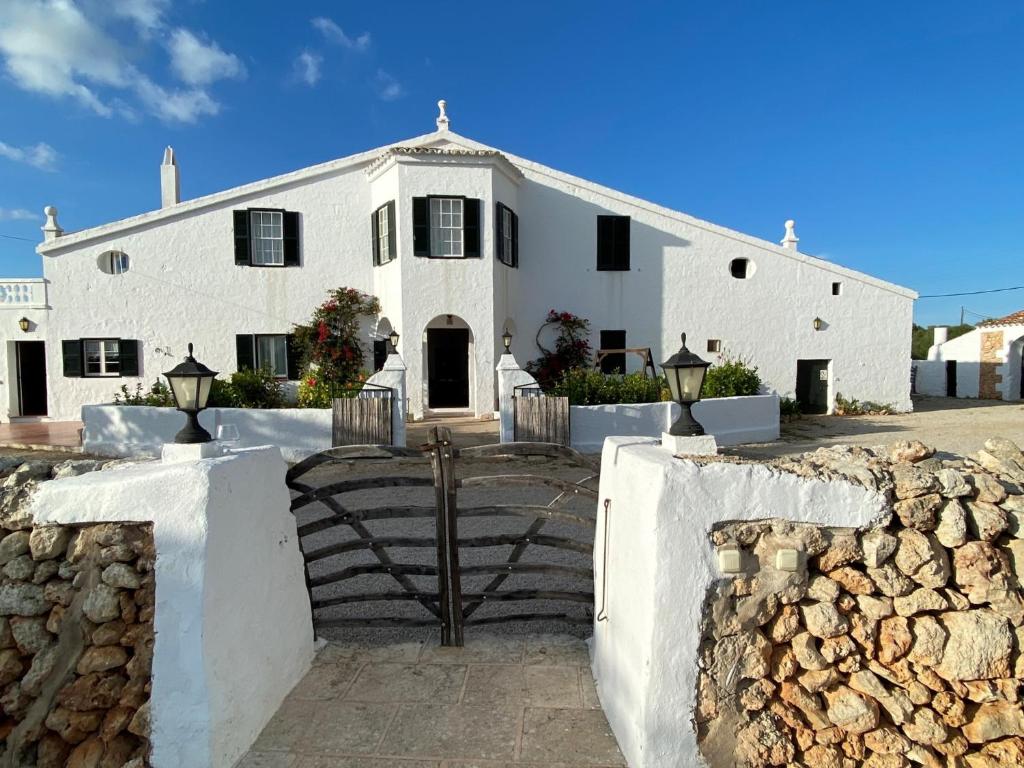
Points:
(272, 353)
(102, 357)
(383, 235)
(267, 233)
(446, 227)
(506, 234)
(118, 262)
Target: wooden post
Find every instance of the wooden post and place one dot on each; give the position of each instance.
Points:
(449, 582)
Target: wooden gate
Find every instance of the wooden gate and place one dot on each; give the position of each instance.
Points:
(364, 418)
(538, 418)
(423, 571)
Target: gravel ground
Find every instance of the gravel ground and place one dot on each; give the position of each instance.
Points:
(468, 527)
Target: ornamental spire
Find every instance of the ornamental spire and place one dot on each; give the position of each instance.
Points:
(442, 118)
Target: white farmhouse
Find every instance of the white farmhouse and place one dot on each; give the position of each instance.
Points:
(987, 362)
(460, 242)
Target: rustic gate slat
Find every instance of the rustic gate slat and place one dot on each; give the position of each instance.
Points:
(361, 421)
(541, 419)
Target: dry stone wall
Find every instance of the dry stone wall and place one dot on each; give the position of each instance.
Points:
(76, 633)
(890, 647)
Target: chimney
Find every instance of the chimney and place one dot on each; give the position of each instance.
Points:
(51, 229)
(941, 335)
(790, 240)
(170, 184)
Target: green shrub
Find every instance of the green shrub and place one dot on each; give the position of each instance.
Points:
(789, 407)
(731, 378)
(587, 386)
(158, 395)
(248, 389)
(854, 407)
(316, 392)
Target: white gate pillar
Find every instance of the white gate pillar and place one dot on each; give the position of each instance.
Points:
(510, 375)
(393, 375)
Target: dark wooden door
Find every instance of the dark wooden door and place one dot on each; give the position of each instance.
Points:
(32, 377)
(812, 385)
(951, 378)
(448, 367)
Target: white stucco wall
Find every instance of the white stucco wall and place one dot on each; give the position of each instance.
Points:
(183, 284)
(660, 563)
(232, 621)
(931, 377)
(140, 430)
(966, 351)
(18, 298)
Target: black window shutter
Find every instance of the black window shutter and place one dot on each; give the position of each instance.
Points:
(129, 352)
(605, 241)
(470, 227)
(420, 227)
(245, 349)
(622, 226)
(291, 238)
(71, 349)
(499, 233)
(242, 237)
(392, 233)
(515, 240)
(375, 237)
(294, 357)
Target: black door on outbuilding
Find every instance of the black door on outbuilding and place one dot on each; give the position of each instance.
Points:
(31, 378)
(951, 378)
(448, 367)
(812, 385)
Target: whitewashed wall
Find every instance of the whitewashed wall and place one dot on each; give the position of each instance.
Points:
(18, 298)
(966, 351)
(183, 284)
(659, 564)
(233, 626)
(931, 377)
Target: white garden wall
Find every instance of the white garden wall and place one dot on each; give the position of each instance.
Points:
(232, 621)
(116, 430)
(732, 420)
(931, 377)
(659, 565)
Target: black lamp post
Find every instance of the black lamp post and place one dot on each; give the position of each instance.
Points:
(506, 339)
(190, 384)
(685, 373)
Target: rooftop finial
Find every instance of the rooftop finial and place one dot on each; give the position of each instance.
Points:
(442, 118)
(170, 180)
(169, 156)
(790, 240)
(51, 229)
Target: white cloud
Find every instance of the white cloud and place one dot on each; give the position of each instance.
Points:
(41, 156)
(388, 89)
(330, 30)
(51, 47)
(200, 63)
(307, 67)
(17, 214)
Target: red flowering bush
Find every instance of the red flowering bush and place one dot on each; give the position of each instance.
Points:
(572, 350)
(331, 355)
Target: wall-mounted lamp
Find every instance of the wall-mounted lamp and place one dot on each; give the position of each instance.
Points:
(818, 323)
(393, 338)
(506, 339)
(24, 324)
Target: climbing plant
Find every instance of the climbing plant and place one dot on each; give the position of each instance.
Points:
(572, 350)
(329, 343)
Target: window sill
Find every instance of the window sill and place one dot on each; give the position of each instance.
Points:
(614, 269)
(446, 258)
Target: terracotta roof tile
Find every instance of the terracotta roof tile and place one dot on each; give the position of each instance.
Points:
(1016, 318)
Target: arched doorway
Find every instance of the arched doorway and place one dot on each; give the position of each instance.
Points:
(448, 373)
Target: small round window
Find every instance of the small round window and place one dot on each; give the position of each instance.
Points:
(741, 269)
(113, 262)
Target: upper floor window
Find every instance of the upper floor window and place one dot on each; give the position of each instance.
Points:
(100, 357)
(266, 237)
(506, 236)
(113, 262)
(273, 351)
(446, 227)
(382, 224)
(742, 269)
(613, 243)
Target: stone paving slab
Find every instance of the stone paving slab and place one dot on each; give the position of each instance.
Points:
(501, 701)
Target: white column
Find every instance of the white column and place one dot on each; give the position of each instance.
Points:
(510, 375)
(393, 375)
(234, 630)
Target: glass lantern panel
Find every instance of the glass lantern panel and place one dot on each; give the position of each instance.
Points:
(690, 380)
(204, 390)
(185, 390)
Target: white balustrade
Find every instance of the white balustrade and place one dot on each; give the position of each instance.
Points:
(22, 294)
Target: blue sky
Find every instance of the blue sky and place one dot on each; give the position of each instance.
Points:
(891, 132)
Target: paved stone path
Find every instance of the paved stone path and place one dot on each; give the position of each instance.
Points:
(501, 701)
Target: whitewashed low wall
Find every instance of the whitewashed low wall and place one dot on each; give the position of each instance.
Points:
(233, 627)
(660, 563)
(931, 377)
(118, 430)
(732, 420)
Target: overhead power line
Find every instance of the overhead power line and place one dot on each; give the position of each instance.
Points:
(971, 293)
(12, 237)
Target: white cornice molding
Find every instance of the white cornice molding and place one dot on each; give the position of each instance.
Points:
(426, 155)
